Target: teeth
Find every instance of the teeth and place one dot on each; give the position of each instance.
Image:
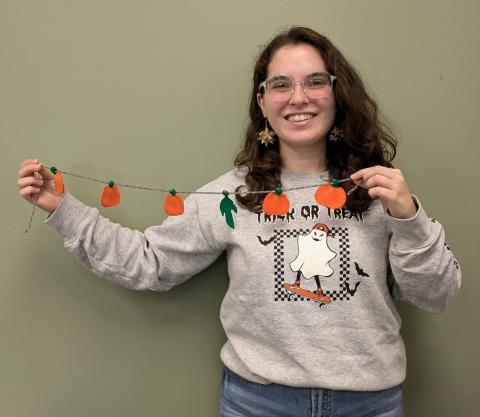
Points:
(299, 117)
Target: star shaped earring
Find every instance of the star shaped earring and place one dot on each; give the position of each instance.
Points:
(266, 136)
(335, 135)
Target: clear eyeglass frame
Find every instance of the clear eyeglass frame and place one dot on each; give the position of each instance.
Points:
(306, 90)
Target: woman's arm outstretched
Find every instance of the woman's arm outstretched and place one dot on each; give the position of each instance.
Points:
(157, 259)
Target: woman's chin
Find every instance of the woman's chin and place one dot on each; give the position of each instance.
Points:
(302, 142)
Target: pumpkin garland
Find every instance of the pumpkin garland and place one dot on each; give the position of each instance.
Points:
(330, 195)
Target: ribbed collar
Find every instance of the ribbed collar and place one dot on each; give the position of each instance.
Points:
(292, 177)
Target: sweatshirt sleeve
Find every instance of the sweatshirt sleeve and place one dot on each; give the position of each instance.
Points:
(157, 259)
(423, 270)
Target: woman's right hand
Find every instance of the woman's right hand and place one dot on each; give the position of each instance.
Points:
(34, 180)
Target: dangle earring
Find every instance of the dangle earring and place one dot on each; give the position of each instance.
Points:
(266, 136)
(335, 135)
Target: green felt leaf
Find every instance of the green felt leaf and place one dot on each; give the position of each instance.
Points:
(226, 208)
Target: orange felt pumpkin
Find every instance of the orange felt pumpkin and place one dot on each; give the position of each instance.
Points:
(173, 204)
(330, 196)
(57, 177)
(110, 195)
(59, 187)
(276, 203)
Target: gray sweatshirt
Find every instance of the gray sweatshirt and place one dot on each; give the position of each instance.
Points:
(274, 334)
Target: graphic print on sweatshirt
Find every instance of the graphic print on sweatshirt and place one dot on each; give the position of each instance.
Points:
(313, 264)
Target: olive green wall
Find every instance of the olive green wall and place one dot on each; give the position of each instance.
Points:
(155, 93)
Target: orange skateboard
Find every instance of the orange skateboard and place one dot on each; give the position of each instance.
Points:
(322, 299)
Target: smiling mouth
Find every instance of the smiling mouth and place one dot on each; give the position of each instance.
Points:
(300, 117)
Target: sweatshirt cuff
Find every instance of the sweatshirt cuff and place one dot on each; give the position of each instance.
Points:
(68, 216)
(412, 232)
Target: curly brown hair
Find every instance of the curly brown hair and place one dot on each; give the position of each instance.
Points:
(367, 140)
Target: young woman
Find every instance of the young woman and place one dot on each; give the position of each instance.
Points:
(311, 122)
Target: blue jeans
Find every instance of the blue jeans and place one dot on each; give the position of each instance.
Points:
(242, 398)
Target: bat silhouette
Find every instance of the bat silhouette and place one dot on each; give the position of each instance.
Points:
(352, 292)
(266, 242)
(360, 271)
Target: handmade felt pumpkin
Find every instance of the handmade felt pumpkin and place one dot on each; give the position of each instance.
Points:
(331, 195)
(57, 176)
(173, 203)
(275, 203)
(110, 195)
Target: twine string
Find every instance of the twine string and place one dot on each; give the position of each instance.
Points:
(32, 214)
(198, 192)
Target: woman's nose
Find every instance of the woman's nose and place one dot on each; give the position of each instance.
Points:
(298, 94)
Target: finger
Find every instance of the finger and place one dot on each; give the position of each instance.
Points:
(358, 177)
(36, 170)
(29, 161)
(370, 179)
(26, 181)
(377, 172)
(380, 181)
(359, 174)
(360, 183)
(381, 170)
(27, 191)
(366, 173)
(379, 192)
(29, 170)
(46, 173)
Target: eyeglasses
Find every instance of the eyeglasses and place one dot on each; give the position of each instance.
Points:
(281, 87)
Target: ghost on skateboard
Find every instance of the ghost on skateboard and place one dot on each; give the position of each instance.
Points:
(312, 260)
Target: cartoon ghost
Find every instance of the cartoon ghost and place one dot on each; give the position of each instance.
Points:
(313, 256)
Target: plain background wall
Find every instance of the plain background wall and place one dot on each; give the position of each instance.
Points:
(155, 93)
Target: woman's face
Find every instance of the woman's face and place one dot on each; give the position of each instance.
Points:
(287, 118)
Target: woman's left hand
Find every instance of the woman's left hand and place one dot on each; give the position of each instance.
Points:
(389, 185)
